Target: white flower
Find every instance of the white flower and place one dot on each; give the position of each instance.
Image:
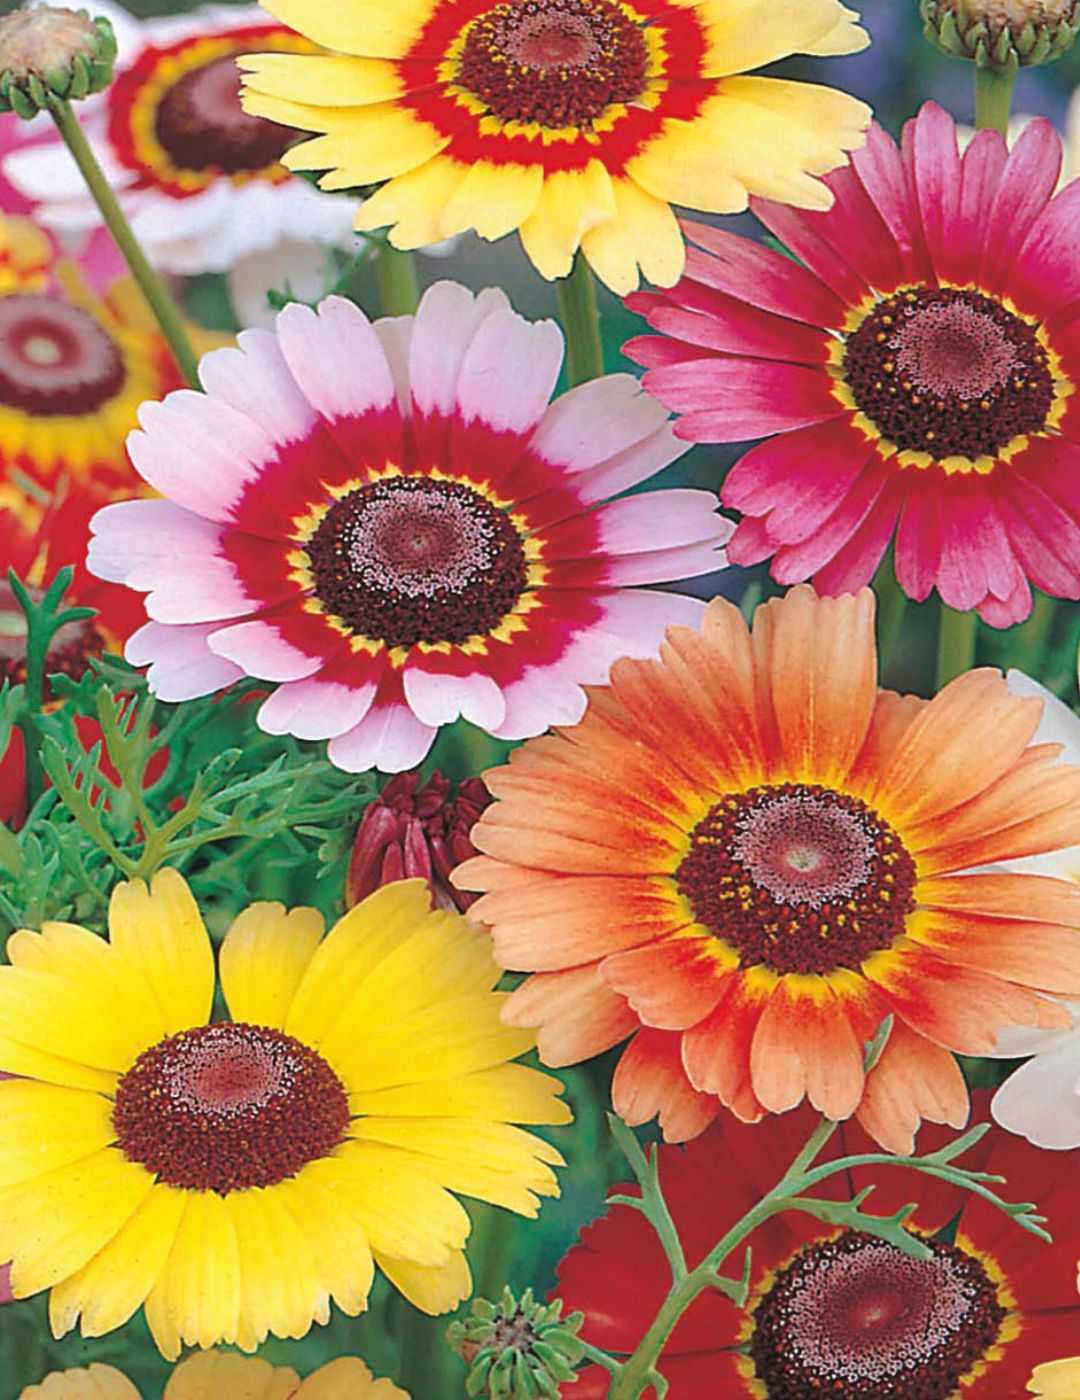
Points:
(199, 179)
(1041, 1100)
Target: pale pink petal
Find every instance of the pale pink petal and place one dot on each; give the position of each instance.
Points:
(596, 422)
(543, 697)
(336, 359)
(659, 520)
(437, 698)
(182, 666)
(389, 738)
(509, 372)
(447, 320)
(325, 705)
(395, 336)
(1041, 1101)
(627, 468)
(261, 650)
(255, 380)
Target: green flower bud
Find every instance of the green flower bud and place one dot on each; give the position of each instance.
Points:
(1002, 35)
(518, 1350)
(47, 54)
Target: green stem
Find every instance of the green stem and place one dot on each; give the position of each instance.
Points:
(956, 644)
(891, 606)
(399, 287)
(581, 322)
(154, 289)
(1030, 642)
(993, 98)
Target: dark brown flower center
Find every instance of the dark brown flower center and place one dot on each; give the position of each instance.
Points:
(411, 560)
(949, 372)
(203, 127)
(229, 1106)
(55, 358)
(798, 877)
(558, 63)
(70, 650)
(856, 1317)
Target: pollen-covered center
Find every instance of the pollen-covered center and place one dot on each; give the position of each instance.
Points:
(229, 1106)
(857, 1317)
(798, 877)
(410, 560)
(558, 63)
(202, 126)
(949, 372)
(55, 358)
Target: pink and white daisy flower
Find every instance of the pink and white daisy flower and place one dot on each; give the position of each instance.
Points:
(394, 523)
(915, 373)
(199, 179)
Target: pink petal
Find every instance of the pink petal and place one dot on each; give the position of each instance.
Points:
(438, 698)
(509, 372)
(703, 316)
(887, 182)
(918, 537)
(1009, 611)
(935, 165)
(796, 563)
(734, 400)
(833, 245)
(854, 564)
(1045, 537)
(327, 704)
(446, 323)
(182, 666)
(960, 259)
(652, 351)
(389, 738)
(1027, 184)
(755, 274)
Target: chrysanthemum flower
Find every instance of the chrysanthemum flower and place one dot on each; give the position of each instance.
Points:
(748, 856)
(919, 372)
(220, 1375)
(395, 524)
(200, 180)
(839, 1312)
(576, 122)
(237, 1176)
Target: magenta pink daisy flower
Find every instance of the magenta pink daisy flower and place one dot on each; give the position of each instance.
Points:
(914, 372)
(394, 523)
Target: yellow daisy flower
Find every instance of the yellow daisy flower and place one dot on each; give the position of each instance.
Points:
(235, 1177)
(221, 1375)
(577, 122)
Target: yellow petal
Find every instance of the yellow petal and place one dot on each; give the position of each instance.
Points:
(379, 28)
(403, 1212)
(571, 202)
(413, 204)
(1056, 1380)
(445, 957)
(115, 1283)
(222, 1375)
(160, 932)
(359, 145)
(347, 1378)
(493, 199)
(51, 1226)
(52, 1069)
(280, 1291)
(197, 1295)
(432, 1290)
(69, 994)
(514, 1093)
(643, 232)
(357, 943)
(43, 1127)
(746, 34)
(263, 958)
(323, 80)
(342, 1252)
(96, 1382)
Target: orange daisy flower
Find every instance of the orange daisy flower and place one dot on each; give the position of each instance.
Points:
(747, 856)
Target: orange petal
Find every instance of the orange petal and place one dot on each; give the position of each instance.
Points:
(1040, 897)
(673, 982)
(1054, 830)
(557, 921)
(966, 738)
(716, 1052)
(1031, 954)
(958, 1007)
(804, 1046)
(524, 833)
(650, 1081)
(820, 661)
(893, 715)
(913, 1080)
(578, 1015)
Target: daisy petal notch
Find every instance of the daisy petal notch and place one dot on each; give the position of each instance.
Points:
(915, 378)
(747, 857)
(577, 123)
(364, 1076)
(394, 524)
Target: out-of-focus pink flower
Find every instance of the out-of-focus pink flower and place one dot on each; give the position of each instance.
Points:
(412, 831)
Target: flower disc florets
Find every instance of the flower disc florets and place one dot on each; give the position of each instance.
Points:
(52, 53)
(1002, 34)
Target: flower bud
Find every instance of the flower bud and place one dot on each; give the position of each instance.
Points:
(1002, 34)
(414, 831)
(48, 53)
(517, 1350)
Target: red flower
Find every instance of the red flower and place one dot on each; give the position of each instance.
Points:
(834, 1311)
(411, 830)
